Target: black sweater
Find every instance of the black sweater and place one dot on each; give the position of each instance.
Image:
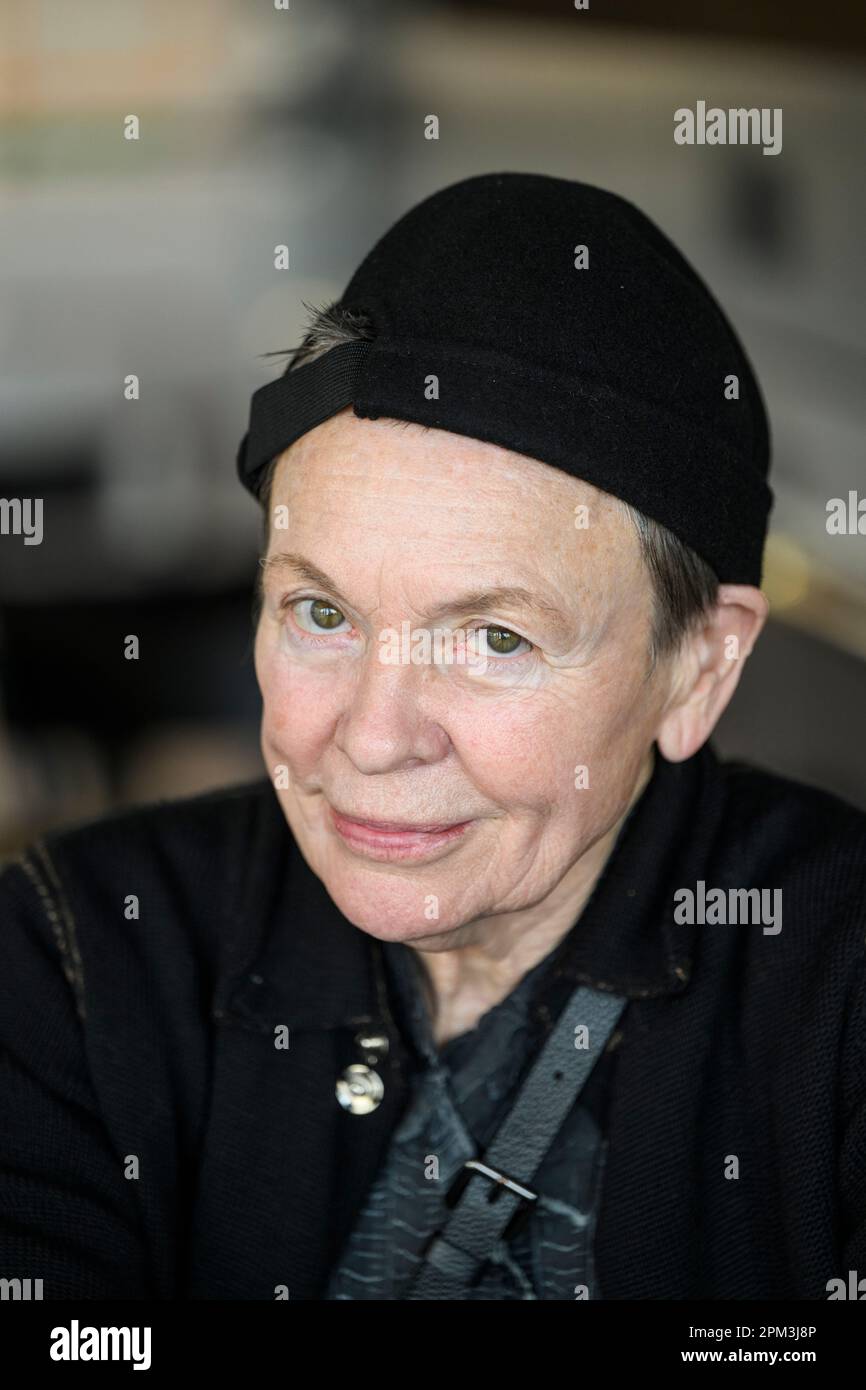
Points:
(155, 1143)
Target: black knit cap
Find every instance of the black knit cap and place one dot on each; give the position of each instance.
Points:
(617, 373)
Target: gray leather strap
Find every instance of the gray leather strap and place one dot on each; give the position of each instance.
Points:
(502, 1180)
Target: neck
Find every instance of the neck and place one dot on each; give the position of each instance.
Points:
(473, 968)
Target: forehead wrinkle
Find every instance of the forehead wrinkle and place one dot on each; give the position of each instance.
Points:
(454, 458)
(382, 484)
(540, 493)
(450, 517)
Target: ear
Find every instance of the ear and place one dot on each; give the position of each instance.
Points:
(706, 669)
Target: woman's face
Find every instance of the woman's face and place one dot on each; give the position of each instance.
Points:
(508, 732)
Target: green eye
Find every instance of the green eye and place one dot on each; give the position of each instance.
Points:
(325, 614)
(502, 641)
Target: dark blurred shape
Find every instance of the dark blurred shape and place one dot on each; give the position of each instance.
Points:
(763, 213)
(66, 663)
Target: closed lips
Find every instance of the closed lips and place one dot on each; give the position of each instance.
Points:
(385, 825)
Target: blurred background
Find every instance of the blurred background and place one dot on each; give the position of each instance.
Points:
(305, 126)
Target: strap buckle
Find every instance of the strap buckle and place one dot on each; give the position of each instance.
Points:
(500, 1181)
(476, 1166)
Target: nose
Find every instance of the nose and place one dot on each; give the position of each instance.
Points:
(386, 725)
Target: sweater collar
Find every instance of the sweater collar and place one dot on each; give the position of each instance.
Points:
(295, 959)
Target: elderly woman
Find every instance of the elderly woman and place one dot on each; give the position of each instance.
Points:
(497, 924)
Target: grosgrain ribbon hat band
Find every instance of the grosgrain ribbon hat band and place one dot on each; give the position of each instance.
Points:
(283, 410)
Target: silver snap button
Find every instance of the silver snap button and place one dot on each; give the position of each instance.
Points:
(359, 1089)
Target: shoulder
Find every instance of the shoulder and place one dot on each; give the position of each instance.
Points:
(805, 849)
(778, 823)
(147, 886)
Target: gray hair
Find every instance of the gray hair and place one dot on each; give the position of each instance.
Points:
(685, 588)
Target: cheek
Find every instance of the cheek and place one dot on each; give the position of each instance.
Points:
(523, 752)
(299, 703)
(536, 752)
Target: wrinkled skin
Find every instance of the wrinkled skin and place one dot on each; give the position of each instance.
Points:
(402, 521)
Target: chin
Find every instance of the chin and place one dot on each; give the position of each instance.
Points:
(389, 909)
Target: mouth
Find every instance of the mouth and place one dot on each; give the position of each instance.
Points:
(386, 840)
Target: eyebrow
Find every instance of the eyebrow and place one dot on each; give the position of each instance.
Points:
(503, 595)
